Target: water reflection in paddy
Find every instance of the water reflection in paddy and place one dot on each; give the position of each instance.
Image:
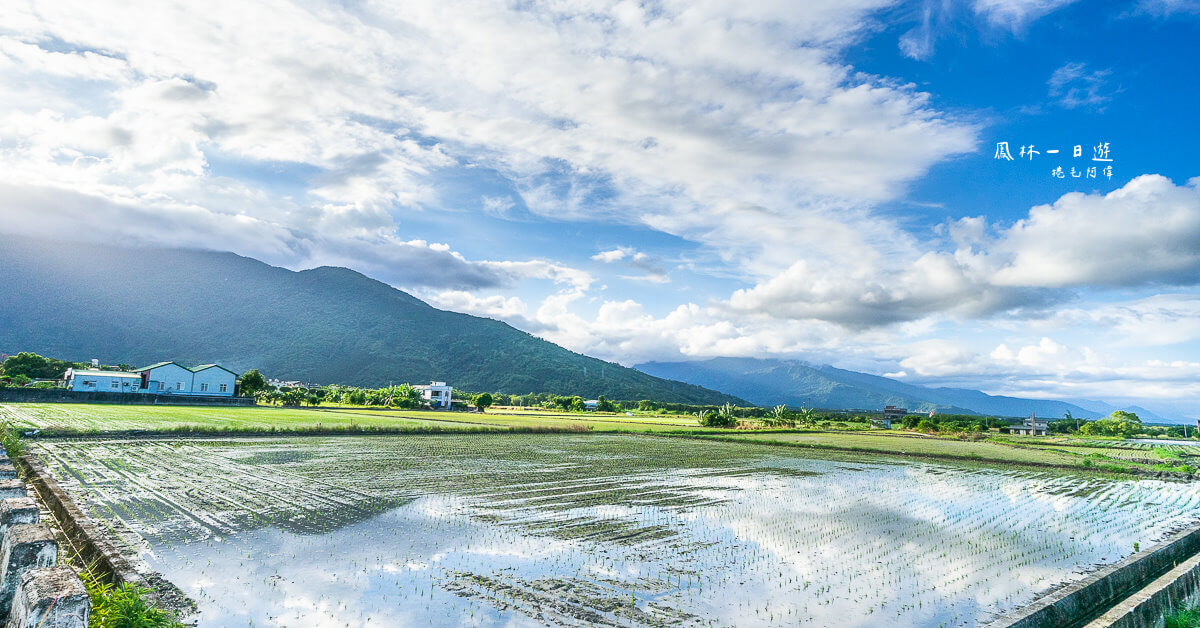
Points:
(618, 530)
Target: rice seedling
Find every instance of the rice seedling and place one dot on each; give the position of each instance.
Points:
(600, 529)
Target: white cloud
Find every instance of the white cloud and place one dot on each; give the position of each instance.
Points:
(605, 112)
(650, 267)
(1145, 232)
(1016, 14)
(1073, 86)
(1164, 8)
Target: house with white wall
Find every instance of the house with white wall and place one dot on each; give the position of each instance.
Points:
(213, 379)
(436, 394)
(89, 380)
(166, 378)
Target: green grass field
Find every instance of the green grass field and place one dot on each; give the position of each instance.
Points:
(78, 419)
(107, 418)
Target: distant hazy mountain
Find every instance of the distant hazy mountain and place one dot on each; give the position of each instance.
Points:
(325, 325)
(795, 383)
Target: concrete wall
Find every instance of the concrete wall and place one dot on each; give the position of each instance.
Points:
(35, 591)
(1082, 601)
(61, 395)
(1145, 609)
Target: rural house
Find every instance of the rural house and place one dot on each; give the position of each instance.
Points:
(437, 394)
(1032, 426)
(164, 378)
(88, 380)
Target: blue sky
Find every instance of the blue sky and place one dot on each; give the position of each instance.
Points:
(661, 180)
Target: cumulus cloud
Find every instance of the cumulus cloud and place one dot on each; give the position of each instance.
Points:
(1145, 233)
(618, 113)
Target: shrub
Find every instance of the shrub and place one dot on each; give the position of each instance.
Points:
(725, 416)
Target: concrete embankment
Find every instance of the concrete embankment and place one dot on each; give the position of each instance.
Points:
(1146, 607)
(95, 546)
(34, 589)
(1114, 587)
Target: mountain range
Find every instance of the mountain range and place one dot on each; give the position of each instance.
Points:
(325, 325)
(800, 384)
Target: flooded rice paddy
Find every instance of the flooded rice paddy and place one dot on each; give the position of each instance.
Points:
(513, 530)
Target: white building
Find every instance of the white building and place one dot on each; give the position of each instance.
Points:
(164, 378)
(437, 394)
(213, 379)
(89, 380)
(167, 378)
(1032, 426)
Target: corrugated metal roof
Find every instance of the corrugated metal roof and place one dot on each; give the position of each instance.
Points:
(197, 369)
(90, 372)
(154, 366)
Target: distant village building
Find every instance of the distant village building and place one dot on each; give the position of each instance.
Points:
(890, 413)
(591, 404)
(437, 394)
(279, 383)
(1032, 426)
(164, 378)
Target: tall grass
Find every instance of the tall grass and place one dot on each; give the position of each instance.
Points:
(122, 606)
(1183, 618)
(13, 445)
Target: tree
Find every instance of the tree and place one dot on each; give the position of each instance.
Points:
(34, 366)
(779, 416)
(18, 381)
(252, 382)
(577, 404)
(604, 405)
(482, 401)
(725, 416)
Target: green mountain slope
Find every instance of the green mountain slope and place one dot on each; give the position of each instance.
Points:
(325, 325)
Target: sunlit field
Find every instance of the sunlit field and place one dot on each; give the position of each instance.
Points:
(513, 529)
(106, 417)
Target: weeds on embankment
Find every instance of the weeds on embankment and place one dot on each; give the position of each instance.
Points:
(13, 445)
(1183, 618)
(122, 606)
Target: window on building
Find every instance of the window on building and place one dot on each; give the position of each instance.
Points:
(87, 383)
(224, 388)
(116, 384)
(178, 385)
(435, 393)
(203, 387)
(160, 385)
